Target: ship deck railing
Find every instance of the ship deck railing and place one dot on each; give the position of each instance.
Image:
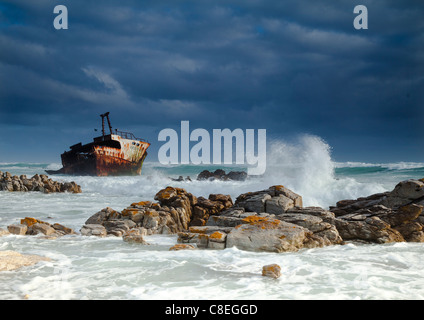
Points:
(128, 135)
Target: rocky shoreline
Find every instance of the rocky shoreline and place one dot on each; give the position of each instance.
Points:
(41, 183)
(220, 174)
(270, 220)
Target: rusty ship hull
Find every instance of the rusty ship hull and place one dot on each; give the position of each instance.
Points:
(110, 155)
(115, 154)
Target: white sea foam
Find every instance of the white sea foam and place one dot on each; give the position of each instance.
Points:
(306, 167)
(391, 166)
(109, 268)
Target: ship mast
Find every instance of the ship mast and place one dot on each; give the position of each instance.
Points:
(103, 123)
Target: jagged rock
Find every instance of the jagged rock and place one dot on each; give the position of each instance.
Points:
(32, 226)
(41, 183)
(171, 214)
(371, 229)
(405, 192)
(254, 202)
(280, 190)
(324, 233)
(181, 201)
(203, 234)
(316, 224)
(272, 220)
(274, 200)
(205, 208)
(382, 225)
(220, 174)
(175, 210)
(102, 216)
(384, 217)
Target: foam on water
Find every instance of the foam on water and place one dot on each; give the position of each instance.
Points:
(112, 269)
(109, 268)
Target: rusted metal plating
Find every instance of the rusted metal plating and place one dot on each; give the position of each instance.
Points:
(114, 154)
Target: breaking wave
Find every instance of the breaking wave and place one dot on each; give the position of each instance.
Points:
(305, 166)
(113, 269)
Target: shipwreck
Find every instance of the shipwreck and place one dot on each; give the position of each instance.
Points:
(115, 154)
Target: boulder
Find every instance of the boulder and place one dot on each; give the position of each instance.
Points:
(102, 216)
(382, 225)
(181, 201)
(272, 271)
(278, 205)
(220, 174)
(181, 246)
(93, 230)
(319, 221)
(18, 229)
(62, 229)
(255, 202)
(267, 234)
(236, 175)
(217, 240)
(134, 238)
(32, 226)
(212, 237)
(324, 233)
(275, 200)
(42, 228)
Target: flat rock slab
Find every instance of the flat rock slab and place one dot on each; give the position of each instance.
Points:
(270, 235)
(12, 260)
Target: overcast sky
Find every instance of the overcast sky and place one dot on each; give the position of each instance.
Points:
(291, 67)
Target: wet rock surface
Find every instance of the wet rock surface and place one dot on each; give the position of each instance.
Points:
(32, 226)
(394, 216)
(270, 220)
(220, 174)
(41, 183)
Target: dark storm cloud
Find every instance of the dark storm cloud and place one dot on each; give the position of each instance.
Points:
(287, 66)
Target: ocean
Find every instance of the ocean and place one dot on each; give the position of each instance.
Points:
(109, 268)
